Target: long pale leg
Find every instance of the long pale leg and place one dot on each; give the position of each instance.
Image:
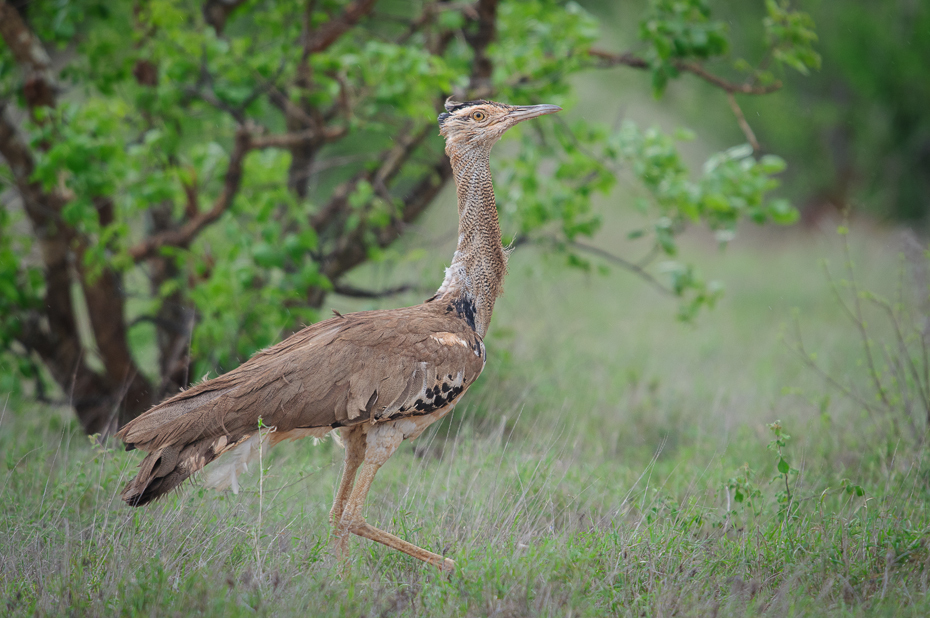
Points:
(356, 524)
(354, 441)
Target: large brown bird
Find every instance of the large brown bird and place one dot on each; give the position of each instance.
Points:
(378, 377)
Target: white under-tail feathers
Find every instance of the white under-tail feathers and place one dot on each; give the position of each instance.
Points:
(223, 472)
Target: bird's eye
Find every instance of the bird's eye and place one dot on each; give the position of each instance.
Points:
(478, 116)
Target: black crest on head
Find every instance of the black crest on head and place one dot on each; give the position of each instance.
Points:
(454, 106)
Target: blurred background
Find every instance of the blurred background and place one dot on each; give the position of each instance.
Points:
(855, 132)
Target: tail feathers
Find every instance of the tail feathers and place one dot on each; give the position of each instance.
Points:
(182, 418)
(167, 467)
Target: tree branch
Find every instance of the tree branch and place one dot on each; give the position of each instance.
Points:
(353, 292)
(327, 34)
(635, 268)
(610, 59)
(216, 12)
(621, 262)
(352, 249)
(106, 312)
(208, 97)
(392, 162)
(183, 236)
(743, 125)
(39, 86)
(288, 140)
(629, 59)
(482, 67)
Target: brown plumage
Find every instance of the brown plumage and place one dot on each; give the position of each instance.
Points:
(379, 377)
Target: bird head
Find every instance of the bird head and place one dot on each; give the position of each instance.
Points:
(475, 124)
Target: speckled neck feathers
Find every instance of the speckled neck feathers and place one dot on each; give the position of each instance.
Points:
(476, 274)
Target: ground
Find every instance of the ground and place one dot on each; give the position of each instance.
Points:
(611, 461)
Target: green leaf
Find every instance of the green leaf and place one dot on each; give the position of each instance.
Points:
(783, 466)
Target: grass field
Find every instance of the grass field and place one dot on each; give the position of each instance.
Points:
(611, 461)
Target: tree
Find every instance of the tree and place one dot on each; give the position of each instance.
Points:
(167, 164)
(858, 131)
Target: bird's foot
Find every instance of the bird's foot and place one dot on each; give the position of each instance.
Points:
(360, 527)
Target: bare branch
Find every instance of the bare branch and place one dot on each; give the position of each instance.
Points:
(308, 136)
(183, 236)
(728, 86)
(629, 59)
(610, 59)
(743, 125)
(616, 260)
(353, 292)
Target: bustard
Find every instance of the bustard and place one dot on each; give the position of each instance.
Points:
(378, 377)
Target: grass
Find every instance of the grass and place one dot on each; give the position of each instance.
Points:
(596, 469)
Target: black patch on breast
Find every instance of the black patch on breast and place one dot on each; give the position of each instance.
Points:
(465, 309)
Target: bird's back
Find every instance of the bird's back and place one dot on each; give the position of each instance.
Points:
(366, 367)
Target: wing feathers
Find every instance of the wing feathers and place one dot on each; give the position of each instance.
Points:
(343, 371)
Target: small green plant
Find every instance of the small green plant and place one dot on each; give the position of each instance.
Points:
(263, 430)
(777, 445)
(742, 489)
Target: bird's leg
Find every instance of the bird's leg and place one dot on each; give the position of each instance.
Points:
(354, 442)
(377, 452)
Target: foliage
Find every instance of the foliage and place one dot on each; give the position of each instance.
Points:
(676, 30)
(230, 169)
(861, 126)
(791, 37)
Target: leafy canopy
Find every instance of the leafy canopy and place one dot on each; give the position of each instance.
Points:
(294, 151)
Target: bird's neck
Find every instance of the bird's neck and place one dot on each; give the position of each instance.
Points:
(475, 278)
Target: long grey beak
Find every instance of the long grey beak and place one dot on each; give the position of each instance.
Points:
(525, 112)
